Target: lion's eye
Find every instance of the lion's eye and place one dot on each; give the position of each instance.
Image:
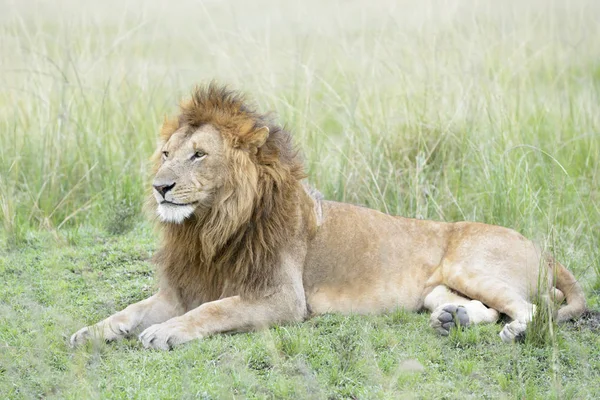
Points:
(198, 154)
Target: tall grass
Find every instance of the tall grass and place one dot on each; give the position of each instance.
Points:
(448, 110)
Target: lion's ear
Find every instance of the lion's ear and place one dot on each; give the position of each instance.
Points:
(257, 138)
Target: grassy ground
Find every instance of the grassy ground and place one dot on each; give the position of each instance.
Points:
(484, 111)
(50, 291)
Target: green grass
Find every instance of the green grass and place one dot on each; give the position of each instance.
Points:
(484, 111)
(50, 291)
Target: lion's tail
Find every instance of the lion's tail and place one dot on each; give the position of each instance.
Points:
(566, 283)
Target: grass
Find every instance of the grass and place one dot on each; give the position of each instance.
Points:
(449, 111)
(50, 291)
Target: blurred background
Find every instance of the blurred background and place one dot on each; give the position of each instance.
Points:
(438, 109)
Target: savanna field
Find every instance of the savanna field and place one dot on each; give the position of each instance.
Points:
(446, 110)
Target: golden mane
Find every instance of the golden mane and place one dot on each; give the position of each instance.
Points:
(233, 247)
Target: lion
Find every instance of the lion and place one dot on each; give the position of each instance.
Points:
(247, 244)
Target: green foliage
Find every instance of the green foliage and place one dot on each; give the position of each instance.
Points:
(123, 211)
(540, 332)
(50, 291)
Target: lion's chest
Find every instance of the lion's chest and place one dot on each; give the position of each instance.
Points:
(194, 284)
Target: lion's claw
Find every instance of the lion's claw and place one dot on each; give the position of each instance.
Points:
(165, 336)
(106, 331)
(513, 332)
(80, 337)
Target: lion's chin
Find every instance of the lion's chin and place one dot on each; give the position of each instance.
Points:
(173, 213)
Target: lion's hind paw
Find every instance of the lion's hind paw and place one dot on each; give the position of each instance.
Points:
(513, 332)
(448, 316)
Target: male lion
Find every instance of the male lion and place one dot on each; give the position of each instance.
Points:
(246, 245)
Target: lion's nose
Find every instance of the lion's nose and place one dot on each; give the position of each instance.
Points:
(163, 189)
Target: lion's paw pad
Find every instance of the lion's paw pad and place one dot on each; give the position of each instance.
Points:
(449, 316)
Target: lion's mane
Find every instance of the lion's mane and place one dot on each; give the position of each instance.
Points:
(233, 246)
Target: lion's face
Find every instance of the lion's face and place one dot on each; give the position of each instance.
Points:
(193, 168)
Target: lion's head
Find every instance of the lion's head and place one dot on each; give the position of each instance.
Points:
(192, 170)
(225, 187)
(216, 147)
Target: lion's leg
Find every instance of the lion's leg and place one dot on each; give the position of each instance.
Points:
(499, 295)
(286, 302)
(231, 314)
(522, 313)
(556, 296)
(158, 308)
(449, 309)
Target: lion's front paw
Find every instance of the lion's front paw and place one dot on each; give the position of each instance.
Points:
(80, 337)
(167, 335)
(104, 331)
(447, 316)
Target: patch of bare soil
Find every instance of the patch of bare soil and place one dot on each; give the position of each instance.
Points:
(590, 319)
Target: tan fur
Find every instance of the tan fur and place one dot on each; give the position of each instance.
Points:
(246, 245)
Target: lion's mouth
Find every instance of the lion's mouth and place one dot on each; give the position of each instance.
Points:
(177, 204)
